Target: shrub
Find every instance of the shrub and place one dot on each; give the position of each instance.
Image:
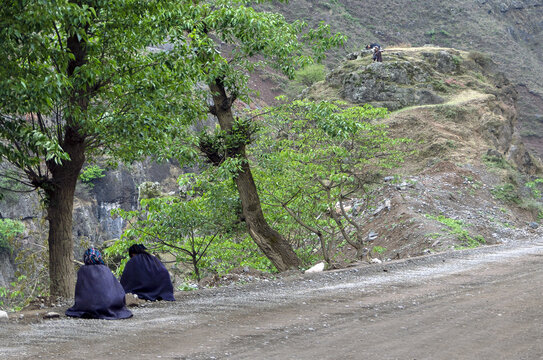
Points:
(310, 74)
(456, 227)
(506, 193)
(495, 160)
(91, 173)
(480, 58)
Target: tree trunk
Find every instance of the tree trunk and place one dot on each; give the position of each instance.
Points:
(61, 189)
(60, 197)
(272, 244)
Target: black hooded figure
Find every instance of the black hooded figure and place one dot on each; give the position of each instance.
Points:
(98, 294)
(144, 275)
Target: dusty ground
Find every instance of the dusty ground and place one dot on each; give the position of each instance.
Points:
(473, 304)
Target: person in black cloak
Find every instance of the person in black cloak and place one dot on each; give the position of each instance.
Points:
(377, 54)
(145, 276)
(98, 294)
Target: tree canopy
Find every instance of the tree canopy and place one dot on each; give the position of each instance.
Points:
(311, 158)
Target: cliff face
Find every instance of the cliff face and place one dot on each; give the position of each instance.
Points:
(92, 221)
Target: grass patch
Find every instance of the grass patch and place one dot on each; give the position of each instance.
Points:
(456, 227)
(506, 193)
(494, 161)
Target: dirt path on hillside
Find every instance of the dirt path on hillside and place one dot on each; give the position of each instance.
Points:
(477, 304)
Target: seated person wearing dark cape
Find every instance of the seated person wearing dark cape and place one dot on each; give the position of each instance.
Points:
(145, 276)
(98, 294)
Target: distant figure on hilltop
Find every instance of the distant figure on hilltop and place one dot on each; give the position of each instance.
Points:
(377, 54)
(144, 275)
(98, 294)
(376, 50)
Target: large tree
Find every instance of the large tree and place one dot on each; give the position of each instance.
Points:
(80, 78)
(227, 41)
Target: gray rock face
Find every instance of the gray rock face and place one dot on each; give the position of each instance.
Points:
(7, 272)
(394, 84)
(92, 220)
(443, 61)
(118, 190)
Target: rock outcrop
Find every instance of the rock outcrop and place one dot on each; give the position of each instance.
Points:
(510, 31)
(444, 85)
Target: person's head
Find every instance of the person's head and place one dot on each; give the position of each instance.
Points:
(368, 47)
(93, 257)
(136, 249)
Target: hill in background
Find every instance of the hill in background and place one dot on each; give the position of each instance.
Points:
(510, 31)
(470, 180)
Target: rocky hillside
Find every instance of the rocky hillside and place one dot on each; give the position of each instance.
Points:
(466, 184)
(511, 31)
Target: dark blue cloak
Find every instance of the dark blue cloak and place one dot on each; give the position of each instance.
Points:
(145, 276)
(98, 295)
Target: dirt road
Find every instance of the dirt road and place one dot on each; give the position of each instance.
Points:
(477, 304)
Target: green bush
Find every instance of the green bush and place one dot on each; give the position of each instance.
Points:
(495, 161)
(304, 78)
(456, 227)
(91, 173)
(222, 257)
(311, 74)
(533, 186)
(457, 60)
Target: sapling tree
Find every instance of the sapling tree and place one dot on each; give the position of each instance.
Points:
(313, 156)
(79, 78)
(185, 228)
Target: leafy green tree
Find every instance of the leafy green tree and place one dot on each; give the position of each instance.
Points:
(312, 156)
(79, 78)
(226, 41)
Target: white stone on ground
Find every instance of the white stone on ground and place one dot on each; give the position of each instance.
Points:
(315, 268)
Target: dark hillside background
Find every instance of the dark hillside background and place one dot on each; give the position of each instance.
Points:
(510, 31)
